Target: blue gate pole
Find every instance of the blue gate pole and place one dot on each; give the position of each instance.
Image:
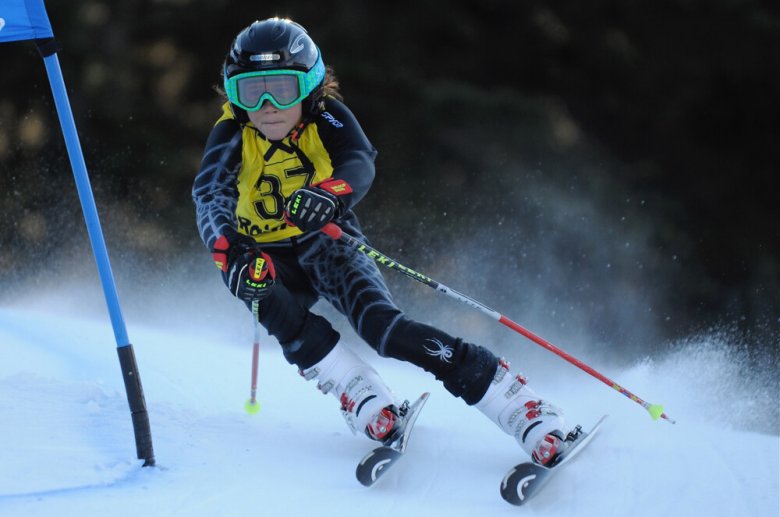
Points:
(132, 379)
(86, 197)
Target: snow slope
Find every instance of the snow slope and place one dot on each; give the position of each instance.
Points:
(67, 442)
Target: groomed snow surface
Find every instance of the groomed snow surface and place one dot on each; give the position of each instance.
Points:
(68, 449)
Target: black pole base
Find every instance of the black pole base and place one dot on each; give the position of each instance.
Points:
(135, 397)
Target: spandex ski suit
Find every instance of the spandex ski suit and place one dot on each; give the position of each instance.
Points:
(244, 182)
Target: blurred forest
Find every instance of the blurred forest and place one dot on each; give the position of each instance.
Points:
(607, 150)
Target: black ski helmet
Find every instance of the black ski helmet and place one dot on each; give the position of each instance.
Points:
(274, 44)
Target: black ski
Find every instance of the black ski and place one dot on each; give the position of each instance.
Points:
(528, 478)
(377, 462)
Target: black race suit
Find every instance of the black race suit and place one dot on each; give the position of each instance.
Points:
(243, 183)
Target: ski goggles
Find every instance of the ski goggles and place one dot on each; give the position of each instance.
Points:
(283, 88)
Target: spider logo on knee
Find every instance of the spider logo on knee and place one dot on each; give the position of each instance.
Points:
(443, 352)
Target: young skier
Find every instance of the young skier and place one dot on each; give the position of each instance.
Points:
(285, 158)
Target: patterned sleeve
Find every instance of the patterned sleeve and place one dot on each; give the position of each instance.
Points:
(351, 152)
(214, 190)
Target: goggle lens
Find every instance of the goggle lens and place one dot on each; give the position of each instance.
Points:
(283, 89)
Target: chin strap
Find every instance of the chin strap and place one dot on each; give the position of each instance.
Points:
(297, 131)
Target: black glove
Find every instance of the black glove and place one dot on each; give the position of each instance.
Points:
(311, 208)
(247, 271)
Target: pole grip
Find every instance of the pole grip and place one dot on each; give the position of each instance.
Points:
(333, 231)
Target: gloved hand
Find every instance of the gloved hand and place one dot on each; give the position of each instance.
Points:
(311, 208)
(247, 271)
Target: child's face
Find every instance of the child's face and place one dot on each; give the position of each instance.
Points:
(275, 123)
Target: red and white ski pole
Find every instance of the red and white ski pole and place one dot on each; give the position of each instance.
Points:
(334, 231)
(252, 406)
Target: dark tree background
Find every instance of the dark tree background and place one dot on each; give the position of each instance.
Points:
(607, 150)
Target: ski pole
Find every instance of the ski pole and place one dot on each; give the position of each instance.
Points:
(335, 232)
(252, 406)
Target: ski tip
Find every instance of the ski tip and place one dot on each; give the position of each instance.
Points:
(422, 399)
(375, 464)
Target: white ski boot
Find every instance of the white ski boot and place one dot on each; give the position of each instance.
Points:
(366, 402)
(518, 411)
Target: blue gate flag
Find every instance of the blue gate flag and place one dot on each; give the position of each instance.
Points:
(23, 19)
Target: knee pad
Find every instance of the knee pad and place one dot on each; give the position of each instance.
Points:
(465, 369)
(315, 340)
(304, 336)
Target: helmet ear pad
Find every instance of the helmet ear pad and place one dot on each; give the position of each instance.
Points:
(239, 114)
(314, 104)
